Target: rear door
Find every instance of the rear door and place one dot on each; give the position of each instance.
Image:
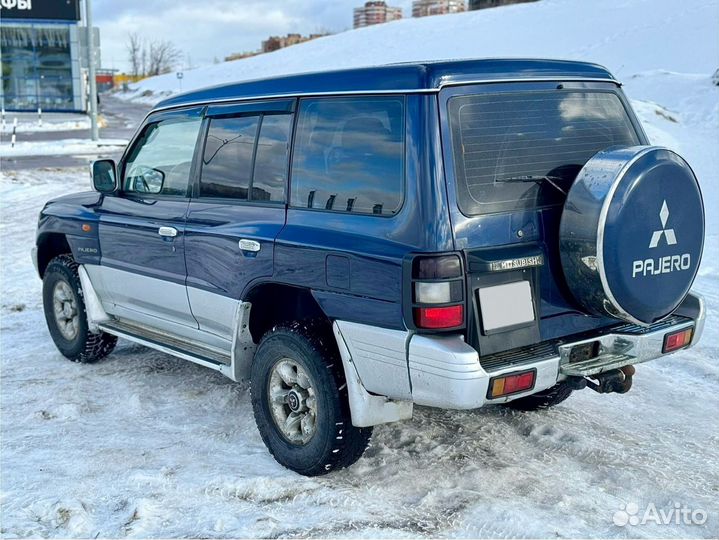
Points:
(142, 228)
(237, 209)
(512, 151)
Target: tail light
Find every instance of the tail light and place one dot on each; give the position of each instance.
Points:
(511, 384)
(677, 340)
(439, 317)
(437, 292)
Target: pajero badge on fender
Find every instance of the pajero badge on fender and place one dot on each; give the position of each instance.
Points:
(647, 255)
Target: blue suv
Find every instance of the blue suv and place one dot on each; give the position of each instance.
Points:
(445, 234)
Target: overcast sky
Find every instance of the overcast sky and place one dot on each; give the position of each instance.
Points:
(209, 29)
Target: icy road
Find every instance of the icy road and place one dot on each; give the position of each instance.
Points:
(146, 445)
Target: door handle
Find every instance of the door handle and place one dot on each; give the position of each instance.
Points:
(170, 232)
(249, 245)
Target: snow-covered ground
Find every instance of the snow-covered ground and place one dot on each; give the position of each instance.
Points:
(61, 147)
(143, 444)
(30, 123)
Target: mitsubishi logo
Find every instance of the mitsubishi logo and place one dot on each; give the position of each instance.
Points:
(662, 265)
(668, 233)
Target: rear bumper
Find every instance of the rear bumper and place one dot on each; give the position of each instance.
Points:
(463, 384)
(446, 372)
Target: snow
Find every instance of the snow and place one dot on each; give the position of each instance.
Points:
(627, 36)
(143, 444)
(61, 147)
(28, 122)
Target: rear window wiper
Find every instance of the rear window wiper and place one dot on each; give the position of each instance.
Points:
(552, 180)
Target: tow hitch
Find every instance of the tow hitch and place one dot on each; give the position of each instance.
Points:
(615, 380)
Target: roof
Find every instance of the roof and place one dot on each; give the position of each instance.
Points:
(393, 78)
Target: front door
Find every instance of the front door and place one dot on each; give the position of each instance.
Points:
(142, 228)
(237, 208)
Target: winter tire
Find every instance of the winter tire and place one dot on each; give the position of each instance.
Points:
(300, 403)
(542, 400)
(66, 317)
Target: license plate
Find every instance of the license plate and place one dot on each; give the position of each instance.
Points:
(506, 305)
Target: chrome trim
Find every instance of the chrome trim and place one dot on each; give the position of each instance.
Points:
(294, 95)
(165, 349)
(618, 350)
(530, 79)
(600, 234)
(169, 232)
(249, 245)
(398, 91)
(514, 264)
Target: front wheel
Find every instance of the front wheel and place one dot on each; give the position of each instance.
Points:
(299, 398)
(65, 314)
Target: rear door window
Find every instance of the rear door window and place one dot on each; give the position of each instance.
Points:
(349, 155)
(245, 158)
(505, 143)
(227, 159)
(270, 174)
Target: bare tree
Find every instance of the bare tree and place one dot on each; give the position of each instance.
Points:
(134, 54)
(151, 59)
(143, 61)
(162, 57)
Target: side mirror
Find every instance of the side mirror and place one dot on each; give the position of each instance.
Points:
(103, 176)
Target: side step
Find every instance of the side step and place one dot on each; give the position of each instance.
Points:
(172, 345)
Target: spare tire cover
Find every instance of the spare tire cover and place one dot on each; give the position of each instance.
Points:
(632, 233)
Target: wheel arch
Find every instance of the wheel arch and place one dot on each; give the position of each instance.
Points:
(275, 303)
(49, 246)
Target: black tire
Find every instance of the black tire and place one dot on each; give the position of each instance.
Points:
(542, 400)
(336, 443)
(85, 346)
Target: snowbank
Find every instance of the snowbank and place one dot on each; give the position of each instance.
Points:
(626, 36)
(61, 147)
(50, 122)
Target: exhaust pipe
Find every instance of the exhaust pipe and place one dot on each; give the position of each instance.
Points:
(615, 380)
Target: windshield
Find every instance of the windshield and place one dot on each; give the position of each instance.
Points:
(508, 145)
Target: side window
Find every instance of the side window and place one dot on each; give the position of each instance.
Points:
(245, 158)
(268, 181)
(161, 159)
(349, 155)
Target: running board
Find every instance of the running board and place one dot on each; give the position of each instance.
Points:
(174, 346)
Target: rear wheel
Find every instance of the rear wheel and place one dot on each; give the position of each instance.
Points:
(299, 398)
(542, 400)
(65, 314)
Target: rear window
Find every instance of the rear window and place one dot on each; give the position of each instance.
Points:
(505, 143)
